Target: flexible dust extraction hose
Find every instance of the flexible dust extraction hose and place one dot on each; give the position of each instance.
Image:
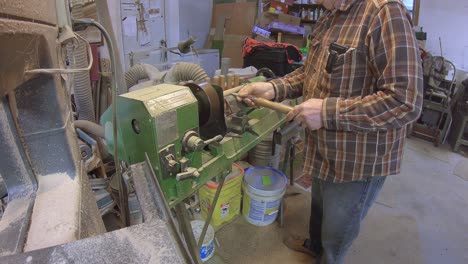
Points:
(184, 72)
(139, 72)
(78, 58)
(90, 127)
(97, 131)
(136, 73)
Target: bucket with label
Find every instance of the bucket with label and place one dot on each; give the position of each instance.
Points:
(229, 201)
(208, 246)
(264, 188)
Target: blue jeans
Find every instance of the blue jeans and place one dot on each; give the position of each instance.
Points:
(336, 214)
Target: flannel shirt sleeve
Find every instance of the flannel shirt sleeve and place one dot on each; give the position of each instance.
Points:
(290, 86)
(396, 64)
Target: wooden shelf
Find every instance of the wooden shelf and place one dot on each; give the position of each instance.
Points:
(307, 5)
(299, 7)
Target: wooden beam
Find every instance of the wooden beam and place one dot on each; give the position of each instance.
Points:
(416, 7)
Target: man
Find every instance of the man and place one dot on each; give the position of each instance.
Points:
(362, 85)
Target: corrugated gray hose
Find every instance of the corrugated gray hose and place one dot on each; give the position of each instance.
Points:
(184, 72)
(140, 72)
(78, 58)
(90, 127)
(96, 130)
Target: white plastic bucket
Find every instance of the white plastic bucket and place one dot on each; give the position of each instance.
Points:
(208, 247)
(264, 188)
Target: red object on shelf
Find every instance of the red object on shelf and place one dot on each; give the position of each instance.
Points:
(251, 45)
(279, 7)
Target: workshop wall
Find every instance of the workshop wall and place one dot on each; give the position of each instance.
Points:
(195, 19)
(446, 19)
(167, 29)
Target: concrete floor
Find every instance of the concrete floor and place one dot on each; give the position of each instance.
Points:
(421, 216)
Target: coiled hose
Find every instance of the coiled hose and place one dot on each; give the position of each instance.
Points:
(184, 72)
(140, 72)
(78, 58)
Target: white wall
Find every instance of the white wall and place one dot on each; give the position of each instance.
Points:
(171, 21)
(195, 20)
(449, 20)
(114, 12)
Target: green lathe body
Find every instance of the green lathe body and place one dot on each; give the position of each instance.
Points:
(155, 119)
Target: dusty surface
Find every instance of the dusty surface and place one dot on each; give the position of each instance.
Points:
(242, 242)
(145, 243)
(55, 213)
(42, 11)
(10, 143)
(25, 45)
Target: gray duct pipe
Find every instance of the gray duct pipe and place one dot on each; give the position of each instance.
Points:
(79, 59)
(90, 127)
(141, 72)
(184, 72)
(96, 130)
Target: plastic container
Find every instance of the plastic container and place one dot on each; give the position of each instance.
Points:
(264, 188)
(208, 248)
(225, 63)
(229, 201)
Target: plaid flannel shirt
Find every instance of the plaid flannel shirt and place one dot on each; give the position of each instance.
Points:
(373, 91)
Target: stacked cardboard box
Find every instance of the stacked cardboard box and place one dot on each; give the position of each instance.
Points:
(233, 23)
(296, 37)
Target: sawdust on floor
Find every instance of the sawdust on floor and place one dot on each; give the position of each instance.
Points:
(242, 242)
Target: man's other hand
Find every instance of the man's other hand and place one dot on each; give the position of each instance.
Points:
(308, 114)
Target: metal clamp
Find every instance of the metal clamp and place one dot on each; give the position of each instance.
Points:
(189, 173)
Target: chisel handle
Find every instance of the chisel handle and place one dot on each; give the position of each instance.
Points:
(272, 105)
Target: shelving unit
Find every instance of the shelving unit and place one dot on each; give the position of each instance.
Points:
(276, 31)
(311, 7)
(307, 22)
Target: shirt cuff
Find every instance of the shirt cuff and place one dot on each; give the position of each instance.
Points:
(330, 113)
(280, 93)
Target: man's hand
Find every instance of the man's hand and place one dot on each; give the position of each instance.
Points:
(259, 89)
(308, 114)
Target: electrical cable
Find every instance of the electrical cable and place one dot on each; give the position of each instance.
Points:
(115, 89)
(67, 71)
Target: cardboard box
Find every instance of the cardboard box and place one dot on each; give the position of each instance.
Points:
(233, 45)
(291, 20)
(296, 40)
(240, 17)
(265, 19)
(278, 26)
